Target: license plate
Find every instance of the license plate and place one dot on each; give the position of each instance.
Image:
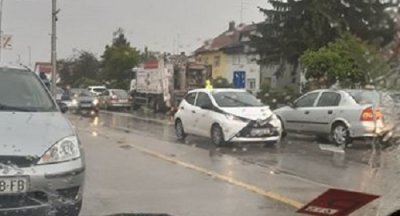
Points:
(123, 101)
(13, 185)
(86, 105)
(259, 132)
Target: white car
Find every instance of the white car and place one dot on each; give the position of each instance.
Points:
(97, 89)
(226, 115)
(340, 115)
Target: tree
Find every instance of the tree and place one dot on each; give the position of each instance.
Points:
(294, 26)
(84, 65)
(347, 60)
(221, 82)
(118, 60)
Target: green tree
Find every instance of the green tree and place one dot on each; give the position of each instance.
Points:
(118, 60)
(83, 65)
(347, 60)
(294, 26)
(221, 82)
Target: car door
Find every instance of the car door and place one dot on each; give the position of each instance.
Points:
(187, 112)
(298, 118)
(203, 114)
(325, 112)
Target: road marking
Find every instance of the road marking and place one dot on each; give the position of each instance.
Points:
(249, 187)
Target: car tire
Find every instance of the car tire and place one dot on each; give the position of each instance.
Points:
(217, 135)
(70, 210)
(340, 134)
(180, 131)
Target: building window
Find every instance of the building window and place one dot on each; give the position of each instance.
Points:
(217, 60)
(236, 59)
(251, 83)
(267, 81)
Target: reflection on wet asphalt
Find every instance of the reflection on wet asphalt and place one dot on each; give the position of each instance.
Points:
(298, 155)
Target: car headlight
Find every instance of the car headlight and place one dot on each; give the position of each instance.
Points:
(95, 102)
(74, 102)
(235, 118)
(64, 150)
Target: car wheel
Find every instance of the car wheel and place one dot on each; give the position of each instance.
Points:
(180, 131)
(340, 135)
(70, 210)
(217, 135)
(283, 133)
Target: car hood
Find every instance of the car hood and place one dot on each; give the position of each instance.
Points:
(31, 134)
(252, 113)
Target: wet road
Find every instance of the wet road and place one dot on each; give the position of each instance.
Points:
(298, 169)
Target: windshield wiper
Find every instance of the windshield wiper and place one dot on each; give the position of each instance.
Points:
(4, 107)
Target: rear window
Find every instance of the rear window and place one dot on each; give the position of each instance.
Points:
(363, 97)
(120, 93)
(99, 90)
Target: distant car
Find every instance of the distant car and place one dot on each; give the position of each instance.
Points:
(115, 99)
(340, 115)
(226, 115)
(97, 89)
(85, 102)
(41, 159)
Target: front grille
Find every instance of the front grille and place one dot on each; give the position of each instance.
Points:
(69, 193)
(23, 200)
(247, 131)
(19, 161)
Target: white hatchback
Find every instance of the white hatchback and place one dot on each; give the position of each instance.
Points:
(226, 115)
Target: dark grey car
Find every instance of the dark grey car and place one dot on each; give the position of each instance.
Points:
(41, 158)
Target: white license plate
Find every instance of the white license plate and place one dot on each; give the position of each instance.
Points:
(13, 185)
(86, 105)
(123, 101)
(260, 131)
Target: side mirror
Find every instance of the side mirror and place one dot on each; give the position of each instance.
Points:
(63, 107)
(291, 104)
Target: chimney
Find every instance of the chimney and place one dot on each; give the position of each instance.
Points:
(231, 25)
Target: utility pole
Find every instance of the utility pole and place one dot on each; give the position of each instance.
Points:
(241, 11)
(54, 12)
(1, 30)
(29, 56)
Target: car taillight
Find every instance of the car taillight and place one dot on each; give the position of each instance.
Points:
(130, 98)
(114, 97)
(368, 114)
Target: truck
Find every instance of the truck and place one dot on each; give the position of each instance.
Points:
(160, 84)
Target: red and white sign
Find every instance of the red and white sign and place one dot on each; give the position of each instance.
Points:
(335, 202)
(152, 64)
(6, 41)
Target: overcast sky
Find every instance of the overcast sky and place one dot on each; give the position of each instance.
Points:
(88, 24)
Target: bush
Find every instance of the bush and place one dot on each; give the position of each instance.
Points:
(277, 97)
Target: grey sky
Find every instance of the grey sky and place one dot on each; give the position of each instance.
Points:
(88, 24)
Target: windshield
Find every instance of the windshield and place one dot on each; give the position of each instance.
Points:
(86, 93)
(22, 91)
(236, 99)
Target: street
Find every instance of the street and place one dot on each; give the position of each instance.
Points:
(135, 165)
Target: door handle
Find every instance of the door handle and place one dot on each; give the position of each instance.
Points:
(182, 108)
(330, 112)
(307, 112)
(193, 111)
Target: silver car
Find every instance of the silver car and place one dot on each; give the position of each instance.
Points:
(341, 115)
(41, 159)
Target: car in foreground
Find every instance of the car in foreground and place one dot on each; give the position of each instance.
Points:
(226, 115)
(85, 102)
(41, 158)
(115, 99)
(339, 115)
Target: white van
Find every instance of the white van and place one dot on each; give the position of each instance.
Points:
(97, 89)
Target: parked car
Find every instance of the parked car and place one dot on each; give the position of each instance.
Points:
(115, 99)
(85, 102)
(226, 115)
(340, 115)
(97, 89)
(41, 160)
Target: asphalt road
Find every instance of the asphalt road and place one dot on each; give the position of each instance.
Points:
(136, 165)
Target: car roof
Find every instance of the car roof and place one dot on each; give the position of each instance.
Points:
(217, 90)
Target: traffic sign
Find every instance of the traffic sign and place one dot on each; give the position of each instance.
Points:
(336, 202)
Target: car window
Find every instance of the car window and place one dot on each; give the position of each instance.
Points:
(307, 100)
(22, 90)
(329, 99)
(105, 93)
(203, 100)
(99, 90)
(86, 93)
(120, 93)
(190, 98)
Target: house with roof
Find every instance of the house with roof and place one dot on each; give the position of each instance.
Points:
(230, 56)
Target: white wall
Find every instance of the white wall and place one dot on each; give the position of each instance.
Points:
(243, 62)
